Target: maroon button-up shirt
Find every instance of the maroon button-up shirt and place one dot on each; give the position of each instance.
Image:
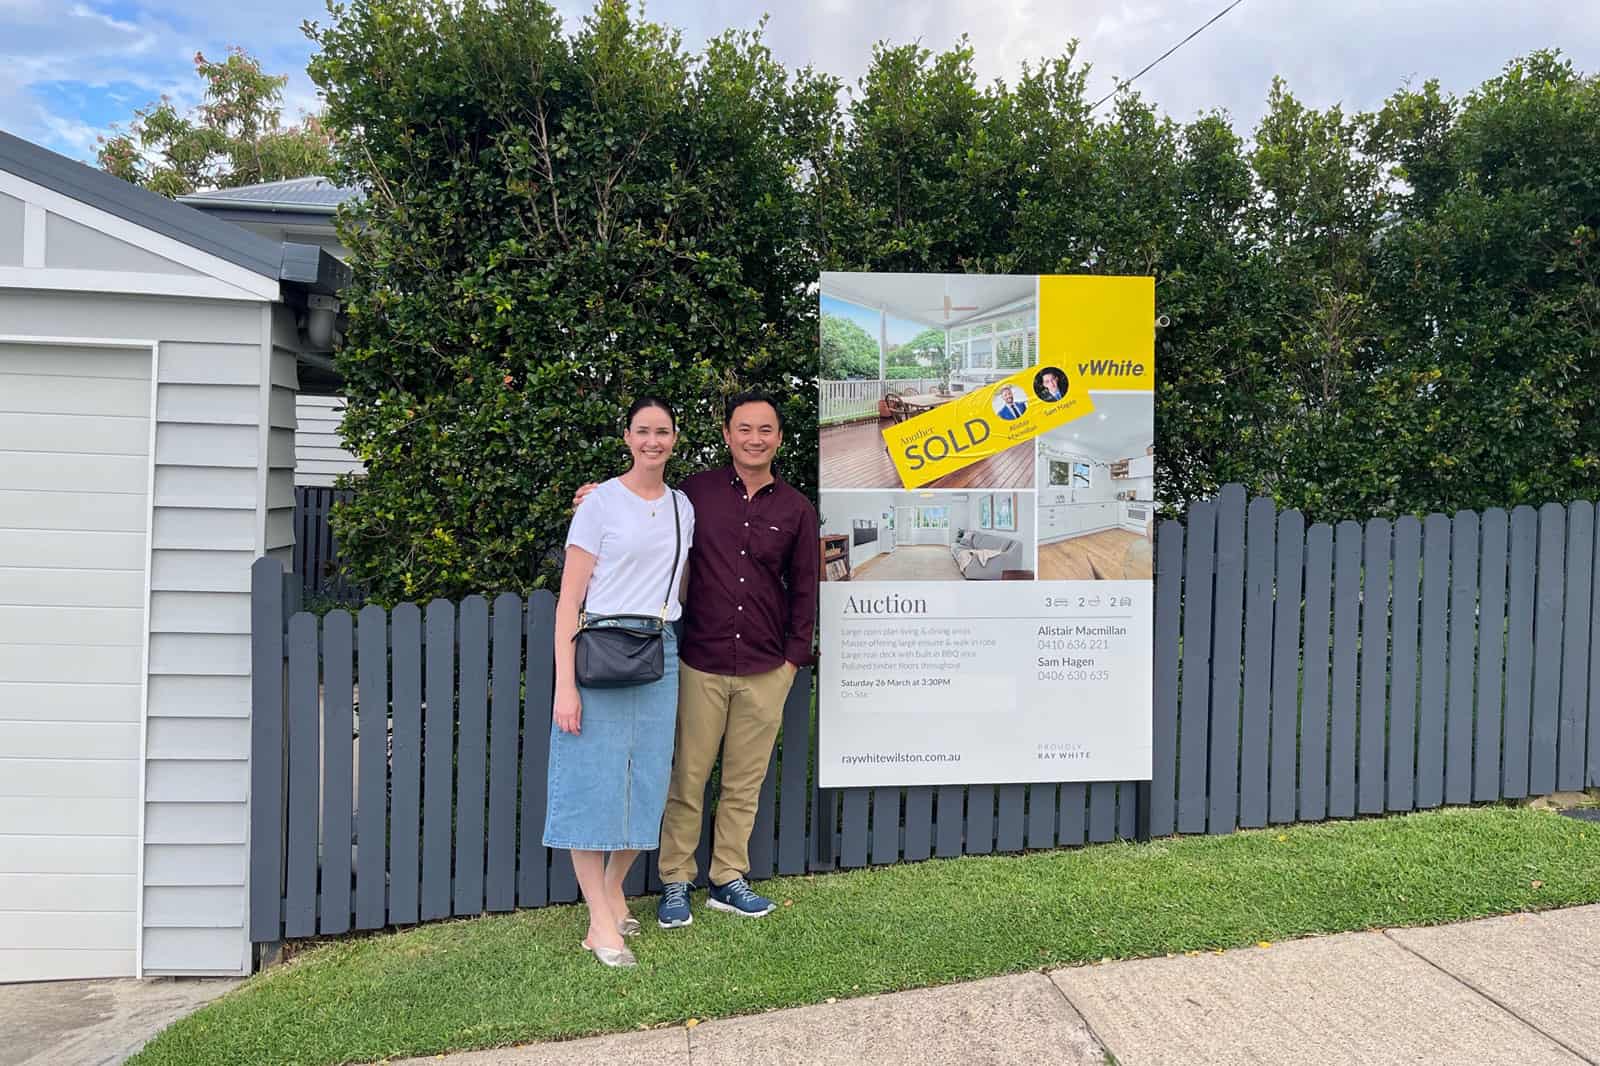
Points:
(753, 571)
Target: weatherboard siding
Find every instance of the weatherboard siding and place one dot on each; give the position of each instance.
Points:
(320, 454)
(206, 530)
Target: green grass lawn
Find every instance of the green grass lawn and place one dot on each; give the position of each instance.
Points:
(520, 977)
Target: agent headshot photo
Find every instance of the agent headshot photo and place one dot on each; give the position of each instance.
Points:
(1008, 405)
(1050, 384)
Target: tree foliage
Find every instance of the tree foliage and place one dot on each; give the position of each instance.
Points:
(235, 137)
(555, 225)
(1370, 313)
(848, 351)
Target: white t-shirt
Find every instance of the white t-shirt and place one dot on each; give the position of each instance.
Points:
(631, 540)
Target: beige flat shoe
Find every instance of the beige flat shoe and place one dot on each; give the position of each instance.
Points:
(628, 926)
(619, 958)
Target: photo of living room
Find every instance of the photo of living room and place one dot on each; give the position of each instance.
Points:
(927, 536)
(1097, 492)
(896, 346)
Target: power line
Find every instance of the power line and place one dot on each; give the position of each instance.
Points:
(1165, 54)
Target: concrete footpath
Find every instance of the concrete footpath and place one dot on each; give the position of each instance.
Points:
(1521, 990)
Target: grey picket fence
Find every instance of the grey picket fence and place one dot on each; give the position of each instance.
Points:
(399, 757)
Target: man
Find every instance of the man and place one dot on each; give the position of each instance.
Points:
(1011, 407)
(747, 626)
(1050, 389)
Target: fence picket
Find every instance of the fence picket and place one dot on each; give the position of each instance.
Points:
(1102, 811)
(1403, 659)
(1074, 806)
(1226, 645)
(1041, 831)
(853, 831)
(300, 902)
(1463, 657)
(372, 825)
(1491, 653)
(950, 812)
(825, 842)
(796, 744)
(885, 825)
(1260, 522)
(1547, 650)
(1433, 661)
(1194, 709)
(1372, 728)
(1009, 824)
(338, 765)
(500, 887)
(1128, 801)
(1519, 651)
(1592, 774)
(536, 876)
(1285, 711)
(438, 756)
(266, 750)
(1342, 702)
(405, 772)
(918, 842)
(1575, 693)
(472, 760)
(1163, 806)
(1314, 705)
(980, 819)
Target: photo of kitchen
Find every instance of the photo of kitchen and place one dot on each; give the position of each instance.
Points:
(927, 536)
(1097, 492)
(897, 346)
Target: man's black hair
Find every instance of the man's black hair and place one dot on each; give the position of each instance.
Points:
(739, 399)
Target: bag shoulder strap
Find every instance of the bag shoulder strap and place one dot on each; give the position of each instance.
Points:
(677, 550)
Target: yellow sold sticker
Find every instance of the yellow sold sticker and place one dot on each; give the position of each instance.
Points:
(980, 424)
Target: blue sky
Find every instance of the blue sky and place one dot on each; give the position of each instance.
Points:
(897, 330)
(70, 68)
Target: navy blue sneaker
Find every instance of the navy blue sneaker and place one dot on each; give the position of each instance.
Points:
(673, 910)
(737, 897)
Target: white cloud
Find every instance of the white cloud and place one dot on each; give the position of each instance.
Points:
(1355, 53)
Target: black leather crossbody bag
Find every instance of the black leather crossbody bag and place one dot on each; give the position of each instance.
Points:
(610, 651)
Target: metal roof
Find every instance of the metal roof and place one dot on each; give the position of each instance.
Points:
(281, 261)
(313, 195)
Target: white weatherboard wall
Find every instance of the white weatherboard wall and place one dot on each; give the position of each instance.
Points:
(214, 439)
(320, 455)
(74, 512)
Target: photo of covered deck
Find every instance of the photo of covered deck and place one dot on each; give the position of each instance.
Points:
(895, 346)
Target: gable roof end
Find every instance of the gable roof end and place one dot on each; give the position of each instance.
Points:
(111, 194)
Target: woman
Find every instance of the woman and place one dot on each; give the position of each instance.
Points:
(611, 748)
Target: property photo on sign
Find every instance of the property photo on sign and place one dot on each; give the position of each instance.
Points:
(987, 520)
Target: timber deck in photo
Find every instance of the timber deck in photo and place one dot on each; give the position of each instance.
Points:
(854, 457)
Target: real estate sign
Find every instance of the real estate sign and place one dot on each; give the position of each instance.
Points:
(987, 504)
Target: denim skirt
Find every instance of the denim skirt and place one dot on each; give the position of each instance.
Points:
(608, 784)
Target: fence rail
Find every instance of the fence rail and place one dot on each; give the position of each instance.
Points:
(1300, 674)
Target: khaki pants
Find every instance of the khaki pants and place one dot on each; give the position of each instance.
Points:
(741, 715)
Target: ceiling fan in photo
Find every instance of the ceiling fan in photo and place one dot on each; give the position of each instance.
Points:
(948, 306)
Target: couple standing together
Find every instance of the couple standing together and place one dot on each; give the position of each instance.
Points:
(733, 552)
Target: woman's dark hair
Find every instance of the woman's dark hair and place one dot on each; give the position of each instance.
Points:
(738, 400)
(650, 401)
